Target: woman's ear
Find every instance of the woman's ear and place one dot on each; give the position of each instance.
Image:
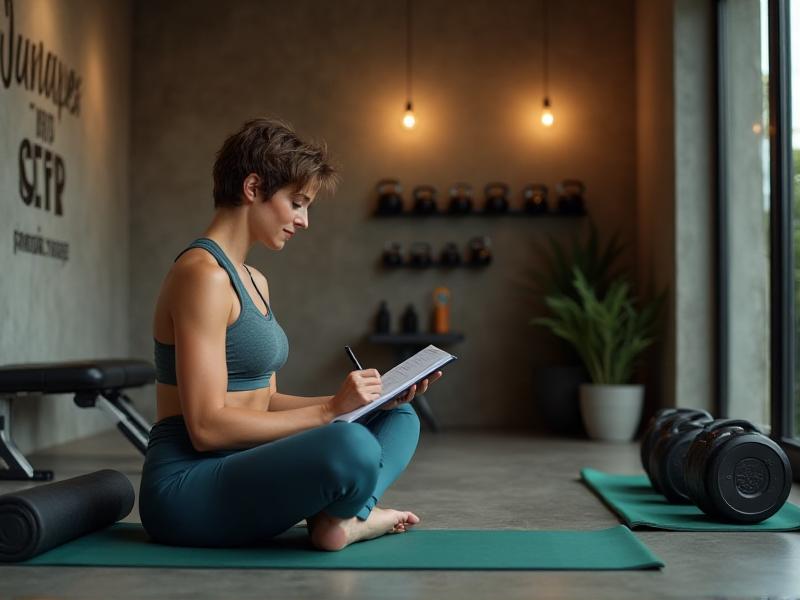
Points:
(250, 187)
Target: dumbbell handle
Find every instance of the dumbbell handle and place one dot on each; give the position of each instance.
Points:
(744, 424)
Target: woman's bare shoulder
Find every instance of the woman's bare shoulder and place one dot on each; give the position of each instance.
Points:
(194, 276)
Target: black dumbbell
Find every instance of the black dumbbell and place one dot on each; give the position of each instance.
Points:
(390, 199)
(735, 473)
(669, 451)
(653, 430)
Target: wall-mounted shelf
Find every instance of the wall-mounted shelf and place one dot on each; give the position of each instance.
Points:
(510, 213)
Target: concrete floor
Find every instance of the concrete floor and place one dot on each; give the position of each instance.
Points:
(457, 480)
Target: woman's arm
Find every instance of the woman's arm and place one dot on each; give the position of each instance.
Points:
(281, 402)
(203, 301)
(200, 324)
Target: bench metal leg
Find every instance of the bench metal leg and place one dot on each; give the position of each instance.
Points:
(17, 466)
(420, 403)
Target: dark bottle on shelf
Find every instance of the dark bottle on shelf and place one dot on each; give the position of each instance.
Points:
(409, 322)
(383, 320)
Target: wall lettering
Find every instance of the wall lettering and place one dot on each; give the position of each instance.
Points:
(24, 62)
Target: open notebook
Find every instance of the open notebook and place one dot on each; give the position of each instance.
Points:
(397, 380)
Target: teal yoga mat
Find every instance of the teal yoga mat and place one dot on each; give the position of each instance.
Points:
(126, 545)
(634, 500)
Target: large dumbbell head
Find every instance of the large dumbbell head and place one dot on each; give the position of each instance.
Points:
(669, 452)
(661, 420)
(735, 473)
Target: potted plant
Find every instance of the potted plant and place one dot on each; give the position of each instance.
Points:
(555, 386)
(609, 333)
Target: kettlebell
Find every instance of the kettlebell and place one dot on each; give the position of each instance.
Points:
(735, 473)
(450, 256)
(390, 199)
(460, 199)
(570, 197)
(653, 428)
(424, 200)
(534, 197)
(420, 255)
(496, 198)
(480, 252)
(669, 452)
(392, 255)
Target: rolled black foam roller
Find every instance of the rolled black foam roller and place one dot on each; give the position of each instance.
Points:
(35, 520)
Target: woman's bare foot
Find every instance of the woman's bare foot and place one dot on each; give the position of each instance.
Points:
(331, 533)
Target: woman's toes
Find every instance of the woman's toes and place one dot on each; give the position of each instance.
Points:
(411, 519)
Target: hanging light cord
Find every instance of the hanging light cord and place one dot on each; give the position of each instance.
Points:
(408, 52)
(544, 45)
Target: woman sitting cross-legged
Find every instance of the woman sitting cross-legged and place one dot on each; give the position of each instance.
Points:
(231, 460)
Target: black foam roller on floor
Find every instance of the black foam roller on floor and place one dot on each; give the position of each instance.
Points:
(35, 520)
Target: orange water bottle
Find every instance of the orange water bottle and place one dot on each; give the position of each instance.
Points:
(441, 310)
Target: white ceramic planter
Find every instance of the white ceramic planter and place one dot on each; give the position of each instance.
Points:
(611, 412)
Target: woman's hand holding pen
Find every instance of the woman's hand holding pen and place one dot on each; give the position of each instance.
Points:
(411, 392)
(358, 389)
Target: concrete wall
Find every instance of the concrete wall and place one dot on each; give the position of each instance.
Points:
(64, 284)
(336, 71)
(675, 169)
(746, 176)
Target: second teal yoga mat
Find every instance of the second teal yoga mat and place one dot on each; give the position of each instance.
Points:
(639, 505)
(126, 545)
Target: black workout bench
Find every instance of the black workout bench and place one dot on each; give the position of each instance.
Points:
(97, 383)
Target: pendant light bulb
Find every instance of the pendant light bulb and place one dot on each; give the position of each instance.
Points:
(409, 120)
(547, 115)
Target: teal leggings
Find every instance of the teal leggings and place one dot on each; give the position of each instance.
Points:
(233, 498)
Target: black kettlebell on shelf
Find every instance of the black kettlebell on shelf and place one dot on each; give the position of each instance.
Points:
(420, 255)
(392, 255)
(653, 430)
(390, 198)
(460, 199)
(424, 200)
(480, 251)
(450, 256)
(534, 198)
(496, 198)
(735, 473)
(409, 321)
(571, 194)
(669, 452)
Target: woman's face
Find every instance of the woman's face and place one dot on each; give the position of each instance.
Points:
(277, 220)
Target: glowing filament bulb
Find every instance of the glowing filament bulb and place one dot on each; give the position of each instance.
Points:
(409, 120)
(547, 115)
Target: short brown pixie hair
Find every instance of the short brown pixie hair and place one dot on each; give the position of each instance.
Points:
(271, 149)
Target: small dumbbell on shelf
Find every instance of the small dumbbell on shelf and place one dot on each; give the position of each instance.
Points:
(424, 200)
(534, 198)
(496, 198)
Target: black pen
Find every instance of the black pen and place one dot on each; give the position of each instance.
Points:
(353, 358)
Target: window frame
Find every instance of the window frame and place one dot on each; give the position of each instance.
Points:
(782, 313)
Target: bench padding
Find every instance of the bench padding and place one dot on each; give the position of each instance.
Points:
(76, 376)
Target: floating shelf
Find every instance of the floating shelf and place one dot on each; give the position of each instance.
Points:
(510, 213)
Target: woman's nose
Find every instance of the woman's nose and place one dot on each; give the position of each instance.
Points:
(302, 220)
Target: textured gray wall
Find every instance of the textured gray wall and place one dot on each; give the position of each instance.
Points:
(53, 309)
(675, 192)
(336, 71)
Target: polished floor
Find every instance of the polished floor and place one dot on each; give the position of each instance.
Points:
(458, 480)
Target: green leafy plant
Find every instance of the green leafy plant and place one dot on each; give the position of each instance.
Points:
(609, 333)
(596, 260)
